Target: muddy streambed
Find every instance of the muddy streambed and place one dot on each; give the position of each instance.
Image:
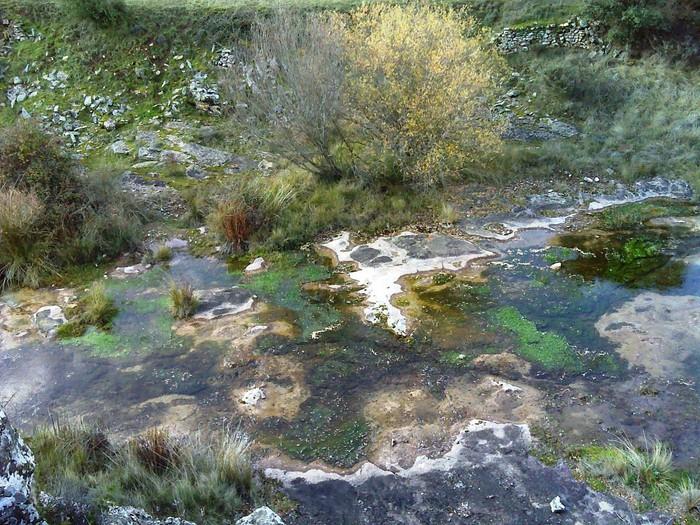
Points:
(584, 328)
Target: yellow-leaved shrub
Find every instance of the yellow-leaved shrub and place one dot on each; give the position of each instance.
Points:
(420, 81)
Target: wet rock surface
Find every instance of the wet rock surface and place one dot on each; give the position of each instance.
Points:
(487, 477)
(382, 263)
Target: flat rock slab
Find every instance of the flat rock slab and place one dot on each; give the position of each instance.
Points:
(488, 477)
(206, 156)
(221, 302)
(658, 187)
(382, 263)
(656, 332)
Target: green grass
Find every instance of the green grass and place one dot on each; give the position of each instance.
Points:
(634, 215)
(644, 475)
(207, 478)
(546, 349)
(633, 116)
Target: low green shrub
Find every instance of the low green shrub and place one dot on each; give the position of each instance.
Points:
(633, 117)
(104, 13)
(641, 23)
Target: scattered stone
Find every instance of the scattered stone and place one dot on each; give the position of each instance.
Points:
(16, 478)
(48, 318)
(176, 244)
(532, 129)
(205, 156)
(195, 172)
(205, 95)
(172, 156)
(261, 516)
(556, 266)
(257, 266)
(253, 396)
(136, 269)
(120, 147)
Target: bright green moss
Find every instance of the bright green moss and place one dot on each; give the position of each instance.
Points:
(549, 350)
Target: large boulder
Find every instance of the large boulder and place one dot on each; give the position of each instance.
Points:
(16, 478)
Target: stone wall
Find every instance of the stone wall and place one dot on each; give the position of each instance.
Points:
(574, 33)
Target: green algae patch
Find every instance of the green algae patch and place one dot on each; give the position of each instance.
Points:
(555, 254)
(99, 344)
(321, 434)
(549, 350)
(282, 285)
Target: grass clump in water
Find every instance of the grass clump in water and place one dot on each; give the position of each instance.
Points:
(549, 350)
(183, 302)
(96, 308)
(642, 475)
(208, 478)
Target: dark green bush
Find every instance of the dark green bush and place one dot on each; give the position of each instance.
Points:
(53, 216)
(639, 23)
(104, 13)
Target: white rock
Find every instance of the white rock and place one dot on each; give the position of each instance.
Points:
(253, 396)
(258, 265)
(556, 505)
(556, 266)
(261, 516)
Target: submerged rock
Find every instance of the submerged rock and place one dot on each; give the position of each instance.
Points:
(488, 476)
(656, 332)
(261, 516)
(16, 478)
(221, 302)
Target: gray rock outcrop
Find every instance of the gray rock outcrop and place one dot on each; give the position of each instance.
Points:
(261, 516)
(488, 477)
(16, 478)
(134, 516)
